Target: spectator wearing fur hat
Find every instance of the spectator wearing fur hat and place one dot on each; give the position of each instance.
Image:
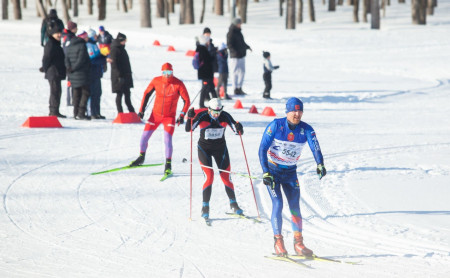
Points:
(205, 70)
(121, 74)
(222, 62)
(238, 50)
(49, 22)
(67, 34)
(267, 75)
(78, 66)
(55, 71)
(95, 74)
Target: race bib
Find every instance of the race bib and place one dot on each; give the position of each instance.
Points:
(214, 133)
(284, 152)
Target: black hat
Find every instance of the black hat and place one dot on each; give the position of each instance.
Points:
(266, 54)
(121, 37)
(52, 13)
(207, 30)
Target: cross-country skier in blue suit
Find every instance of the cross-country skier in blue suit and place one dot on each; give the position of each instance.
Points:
(280, 149)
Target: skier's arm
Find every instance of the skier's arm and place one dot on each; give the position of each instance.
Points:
(314, 144)
(195, 121)
(185, 96)
(147, 94)
(266, 141)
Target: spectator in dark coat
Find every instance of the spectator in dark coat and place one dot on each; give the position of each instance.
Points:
(55, 71)
(67, 35)
(48, 23)
(121, 75)
(222, 62)
(78, 66)
(205, 71)
(238, 51)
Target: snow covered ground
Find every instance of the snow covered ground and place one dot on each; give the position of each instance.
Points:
(378, 100)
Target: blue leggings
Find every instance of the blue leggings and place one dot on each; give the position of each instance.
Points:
(289, 182)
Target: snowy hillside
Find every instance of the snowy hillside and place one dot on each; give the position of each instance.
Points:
(378, 100)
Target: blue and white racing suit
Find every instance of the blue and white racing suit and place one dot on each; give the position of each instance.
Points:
(279, 152)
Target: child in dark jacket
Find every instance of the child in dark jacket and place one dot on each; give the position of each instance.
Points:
(267, 76)
(222, 61)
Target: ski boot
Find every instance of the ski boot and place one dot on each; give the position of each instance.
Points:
(235, 208)
(299, 247)
(280, 250)
(168, 167)
(138, 161)
(205, 210)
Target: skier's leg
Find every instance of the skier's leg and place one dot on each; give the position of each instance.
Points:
(277, 208)
(205, 159)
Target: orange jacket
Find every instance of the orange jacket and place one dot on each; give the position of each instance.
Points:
(168, 90)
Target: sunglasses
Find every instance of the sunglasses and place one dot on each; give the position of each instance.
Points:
(215, 111)
(167, 72)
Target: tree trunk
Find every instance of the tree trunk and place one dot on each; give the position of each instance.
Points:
(366, 9)
(430, 7)
(312, 13)
(159, 8)
(340, 2)
(356, 11)
(101, 9)
(402, 1)
(290, 14)
(171, 6)
(90, 7)
(24, 4)
(146, 13)
(281, 7)
(375, 14)
(166, 12)
(130, 4)
(5, 9)
(300, 11)
(218, 7)
(75, 8)
(202, 13)
(189, 12)
(124, 6)
(66, 14)
(419, 14)
(331, 5)
(243, 10)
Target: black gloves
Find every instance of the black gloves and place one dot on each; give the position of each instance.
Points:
(141, 115)
(69, 70)
(191, 113)
(276, 67)
(239, 128)
(180, 120)
(41, 69)
(321, 171)
(268, 180)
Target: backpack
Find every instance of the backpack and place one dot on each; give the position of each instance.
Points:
(196, 61)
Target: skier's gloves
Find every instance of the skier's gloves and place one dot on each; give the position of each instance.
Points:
(191, 113)
(239, 128)
(321, 171)
(180, 120)
(268, 180)
(276, 67)
(141, 115)
(41, 69)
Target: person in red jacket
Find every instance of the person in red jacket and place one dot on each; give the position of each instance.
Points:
(168, 90)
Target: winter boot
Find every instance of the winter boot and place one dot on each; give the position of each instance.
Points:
(168, 166)
(266, 95)
(280, 250)
(241, 92)
(299, 247)
(205, 210)
(139, 161)
(235, 208)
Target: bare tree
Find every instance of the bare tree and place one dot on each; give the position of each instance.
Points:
(312, 13)
(290, 14)
(366, 9)
(300, 11)
(171, 6)
(90, 7)
(75, 8)
(430, 7)
(130, 4)
(375, 14)
(166, 12)
(182, 11)
(160, 8)
(202, 12)
(24, 4)
(356, 11)
(331, 5)
(281, 7)
(218, 7)
(101, 9)
(188, 16)
(146, 11)
(124, 5)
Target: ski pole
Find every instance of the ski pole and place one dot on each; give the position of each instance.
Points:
(192, 101)
(190, 197)
(248, 170)
(225, 171)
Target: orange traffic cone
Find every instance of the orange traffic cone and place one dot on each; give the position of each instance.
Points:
(170, 48)
(156, 43)
(127, 118)
(253, 110)
(268, 111)
(238, 105)
(190, 53)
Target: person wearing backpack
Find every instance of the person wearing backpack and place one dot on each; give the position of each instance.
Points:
(47, 25)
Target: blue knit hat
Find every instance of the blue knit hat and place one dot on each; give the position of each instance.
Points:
(294, 104)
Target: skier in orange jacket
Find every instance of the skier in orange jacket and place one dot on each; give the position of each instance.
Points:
(168, 90)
